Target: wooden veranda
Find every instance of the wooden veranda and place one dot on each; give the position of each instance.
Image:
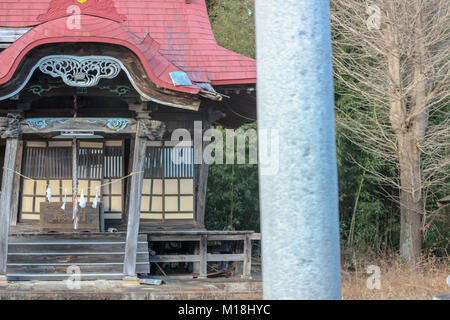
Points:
(87, 115)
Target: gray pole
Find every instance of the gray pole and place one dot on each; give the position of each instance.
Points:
(299, 204)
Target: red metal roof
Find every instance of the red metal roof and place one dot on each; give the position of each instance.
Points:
(167, 35)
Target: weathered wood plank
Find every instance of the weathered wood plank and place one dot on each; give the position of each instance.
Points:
(75, 209)
(60, 277)
(177, 277)
(197, 258)
(197, 232)
(46, 258)
(72, 247)
(79, 237)
(230, 237)
(85, 269)
(175, 258)
(134, 209)
(5, 200)
(225, 257)
(16, 186)
(53, 218)
(159, 238)
(203, 256)
(255, 236)
(202, 182)
(247, 257)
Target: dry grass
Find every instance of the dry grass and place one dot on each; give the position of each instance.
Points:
(398, 282)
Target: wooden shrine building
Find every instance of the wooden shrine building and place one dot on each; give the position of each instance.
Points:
(90, 94)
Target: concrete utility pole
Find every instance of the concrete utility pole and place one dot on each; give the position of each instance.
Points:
(299, 205)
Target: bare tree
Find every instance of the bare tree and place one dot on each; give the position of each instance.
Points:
(393, 58)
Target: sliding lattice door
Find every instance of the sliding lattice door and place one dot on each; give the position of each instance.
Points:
(168, 188)
(90, 169)
(113, 189)
(35, 166)
(49, 163)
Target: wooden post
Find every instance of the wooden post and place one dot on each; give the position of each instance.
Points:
(5, 202)
(202, 183)
(203, 256)
(247, 267)
(16, 186)
(134, 208)
(75, 181)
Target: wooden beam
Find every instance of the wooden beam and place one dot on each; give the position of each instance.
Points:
(16, 186)
(55, 125)
(226, 257)
(5, 200)
(163, 238)
(134, 209)
(175, 258)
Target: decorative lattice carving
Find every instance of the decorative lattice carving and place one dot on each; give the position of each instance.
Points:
(80, 71)
(10, 126)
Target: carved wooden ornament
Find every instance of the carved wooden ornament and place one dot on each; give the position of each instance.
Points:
(152, 129)
(9, 126)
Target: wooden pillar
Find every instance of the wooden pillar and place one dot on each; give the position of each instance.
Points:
(5, 202)
(134, 207)
(247, 267)
(16, 186)
(202, 181)
(75, 182)
(203, 256)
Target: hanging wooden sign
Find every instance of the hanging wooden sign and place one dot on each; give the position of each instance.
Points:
(55, 219)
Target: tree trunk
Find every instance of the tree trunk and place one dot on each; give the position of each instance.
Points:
(411, 202)
(411, 196)
(409, 127)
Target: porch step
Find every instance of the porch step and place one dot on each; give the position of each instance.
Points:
(49, 256)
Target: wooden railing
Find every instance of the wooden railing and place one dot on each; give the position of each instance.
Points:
(203, 257)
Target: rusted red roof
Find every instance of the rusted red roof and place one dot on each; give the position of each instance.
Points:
(167, 35)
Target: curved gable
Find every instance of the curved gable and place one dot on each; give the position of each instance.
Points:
(65, 8)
